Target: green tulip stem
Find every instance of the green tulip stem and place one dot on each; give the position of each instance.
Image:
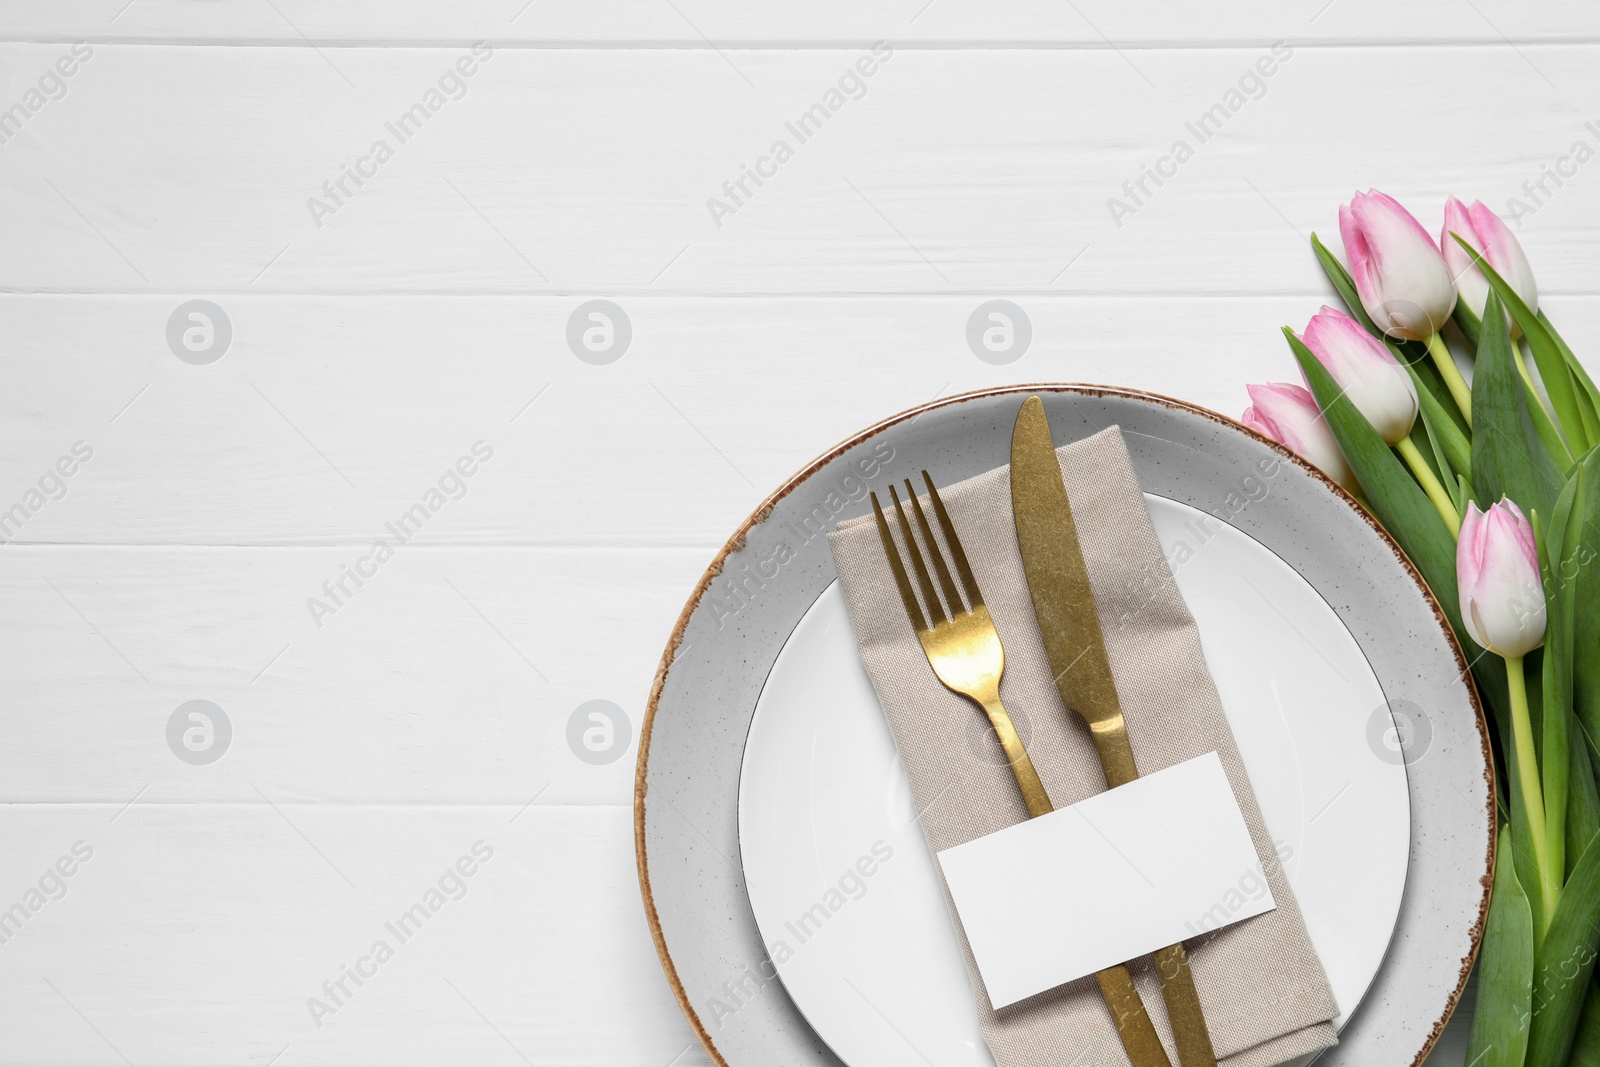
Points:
(1459, 390)
(1528, 774)
(1430, 484)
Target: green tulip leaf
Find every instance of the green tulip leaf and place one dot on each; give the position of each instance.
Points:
(1586, 1049)
(1588, 395)
(1343, 282)
(1432, 455)
(1508, 459)
(1583, 801)
(1442, 427)
(1546, 430)
(1578, 577)
(1564, 964)
(1462, 495)
(1468, 322)
(1546, 352)
(1499, 1036)
(1438, 460)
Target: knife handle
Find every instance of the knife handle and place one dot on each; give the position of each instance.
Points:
(1183, 1008)
(1139, 1039)
(1188, 1019)
(1110, 735)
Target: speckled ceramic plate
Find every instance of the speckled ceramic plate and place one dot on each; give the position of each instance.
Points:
(776, 567)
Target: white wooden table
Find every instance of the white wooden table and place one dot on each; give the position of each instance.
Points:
(363, 335)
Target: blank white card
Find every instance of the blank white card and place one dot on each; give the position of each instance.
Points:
(1115, 877)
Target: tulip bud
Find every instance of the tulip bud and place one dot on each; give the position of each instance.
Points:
(1497, 568)
(1400, 274)
(1483, 230)
(1369, 376)
(1288, 414)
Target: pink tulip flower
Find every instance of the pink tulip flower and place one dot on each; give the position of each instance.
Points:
(1371, 378)
(1483, 230)
(1497, 568)
(1288, 414)
(1398, 270)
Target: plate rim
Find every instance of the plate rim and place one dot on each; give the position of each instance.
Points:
(737, 541)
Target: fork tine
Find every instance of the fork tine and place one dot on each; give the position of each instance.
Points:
(935, 609)
(945, 581)
(913, 609)
(963, 568)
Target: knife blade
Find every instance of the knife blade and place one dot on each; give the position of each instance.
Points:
(1063, 601)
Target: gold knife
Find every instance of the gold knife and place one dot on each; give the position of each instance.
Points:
(1053, 564)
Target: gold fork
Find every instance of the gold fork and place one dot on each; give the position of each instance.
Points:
(964, 650)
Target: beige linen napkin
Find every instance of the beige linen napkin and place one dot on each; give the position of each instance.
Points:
(1265, 996)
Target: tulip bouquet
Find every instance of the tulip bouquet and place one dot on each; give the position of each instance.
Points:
(1492, 487)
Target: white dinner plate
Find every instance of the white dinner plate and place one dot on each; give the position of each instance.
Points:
(822, 787)
(776, 568)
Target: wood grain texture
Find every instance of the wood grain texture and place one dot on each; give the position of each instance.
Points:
(377, 339)
(558, 171)
(695, 23)
(731, 396)
(197, 933)
(435, 683)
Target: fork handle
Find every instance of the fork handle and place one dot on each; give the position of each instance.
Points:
(1138, 1034)
(1183, 1008)
(1033, 793)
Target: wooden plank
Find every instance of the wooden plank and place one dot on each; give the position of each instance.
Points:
(955, 171)
(714, 404)
(449, 677)
(201, 933)
(1097, 24)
